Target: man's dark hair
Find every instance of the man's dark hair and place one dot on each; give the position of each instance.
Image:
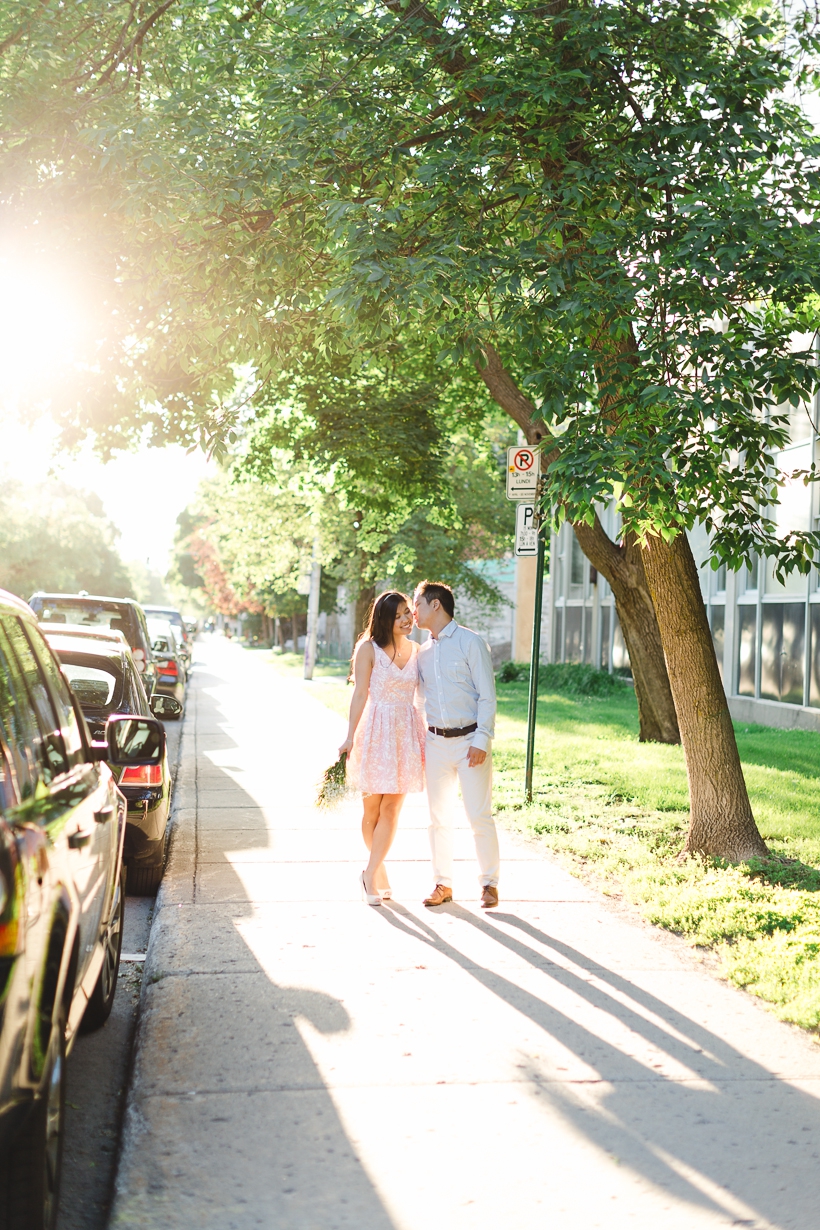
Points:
(437, 589)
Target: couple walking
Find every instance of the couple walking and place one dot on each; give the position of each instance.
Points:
(389, 751)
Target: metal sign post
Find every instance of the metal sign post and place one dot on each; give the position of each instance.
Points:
(523, 484)
(532, 705)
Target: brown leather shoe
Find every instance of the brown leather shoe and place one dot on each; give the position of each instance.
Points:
(440, 895)
(489, 896)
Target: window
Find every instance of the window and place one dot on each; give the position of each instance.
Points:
(117, 616)
(753, 574)
(558, 635)
(814, 682)
(747, 650)
(800, 424)
(781, 652)
(719, 580)
(8, 791)
(91, 686)
(577, 561)
(620, 657)
(605, 638)
(18, 724)
(52, 755)
(573, 616)
(69, 726)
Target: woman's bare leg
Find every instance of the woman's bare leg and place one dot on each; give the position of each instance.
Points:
(372, 805)
(382, 839)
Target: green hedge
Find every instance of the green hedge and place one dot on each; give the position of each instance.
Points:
(568, 677)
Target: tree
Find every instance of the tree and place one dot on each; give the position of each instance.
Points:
(615, 198)
(190, 342)
(249, 535)
(56, 538)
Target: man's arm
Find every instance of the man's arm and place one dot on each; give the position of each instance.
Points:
(481, 669)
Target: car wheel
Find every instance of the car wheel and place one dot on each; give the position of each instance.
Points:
(31, 1182)
(144, 881)
(102, 997)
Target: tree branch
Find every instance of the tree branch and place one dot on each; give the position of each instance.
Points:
(506, 392)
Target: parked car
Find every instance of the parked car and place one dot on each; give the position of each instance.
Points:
(89, 611)
(173, 616)
(105, 681)
(172, 673)
(62, 896)
(114, 635)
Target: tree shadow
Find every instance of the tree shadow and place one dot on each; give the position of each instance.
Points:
(788, 751)
(785, 872)
(230, 1123)
(727, 1138)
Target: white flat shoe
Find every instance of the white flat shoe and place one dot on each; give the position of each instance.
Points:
(369, 898)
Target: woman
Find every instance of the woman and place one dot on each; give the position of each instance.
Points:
(386, 749)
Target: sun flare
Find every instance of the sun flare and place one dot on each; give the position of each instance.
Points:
(41, 323)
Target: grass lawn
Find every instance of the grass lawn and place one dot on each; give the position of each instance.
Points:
(617, 809)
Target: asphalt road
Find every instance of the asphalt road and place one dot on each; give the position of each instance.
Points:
(97, 1077)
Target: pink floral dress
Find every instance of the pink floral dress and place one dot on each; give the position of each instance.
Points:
(388, 747)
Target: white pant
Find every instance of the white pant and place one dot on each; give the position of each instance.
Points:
(446, 760)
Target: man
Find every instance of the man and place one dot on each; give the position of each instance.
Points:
(458, 685)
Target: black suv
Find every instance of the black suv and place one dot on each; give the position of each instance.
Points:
(62, 824)
(92, 612)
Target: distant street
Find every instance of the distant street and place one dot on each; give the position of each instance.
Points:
(306, 1062)
(98, 1075)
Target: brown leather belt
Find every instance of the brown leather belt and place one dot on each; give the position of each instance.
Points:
(453, 734)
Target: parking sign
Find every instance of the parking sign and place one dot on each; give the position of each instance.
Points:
(522, 472)
(526, 534)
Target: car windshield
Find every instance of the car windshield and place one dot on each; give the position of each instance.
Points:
(163, 636)
(173, 617)
(96, 682)
(86, 614)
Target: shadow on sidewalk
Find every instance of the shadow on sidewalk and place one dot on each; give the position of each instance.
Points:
(231, 1124)
(729, 1138)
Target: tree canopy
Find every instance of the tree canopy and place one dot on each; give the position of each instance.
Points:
(618, 196)
(57, 538)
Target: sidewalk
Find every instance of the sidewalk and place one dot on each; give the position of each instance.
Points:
(305, 1062)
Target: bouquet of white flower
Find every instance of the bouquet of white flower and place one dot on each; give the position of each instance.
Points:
(333, 786)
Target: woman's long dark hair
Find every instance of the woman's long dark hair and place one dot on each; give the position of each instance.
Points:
(383, 617)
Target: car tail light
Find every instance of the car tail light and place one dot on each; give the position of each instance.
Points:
(168, 668)
(142, 775)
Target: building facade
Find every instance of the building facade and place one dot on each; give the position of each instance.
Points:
(766, 632)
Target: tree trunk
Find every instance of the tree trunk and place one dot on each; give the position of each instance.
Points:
(721, 821)
(364, 602)
(623, 568)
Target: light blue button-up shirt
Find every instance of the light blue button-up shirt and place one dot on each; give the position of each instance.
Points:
(457, 682)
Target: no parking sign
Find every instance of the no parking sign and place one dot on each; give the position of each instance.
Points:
(522, 472)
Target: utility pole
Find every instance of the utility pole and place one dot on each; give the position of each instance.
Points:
(313, 611)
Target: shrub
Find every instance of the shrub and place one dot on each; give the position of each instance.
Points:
(568, 677)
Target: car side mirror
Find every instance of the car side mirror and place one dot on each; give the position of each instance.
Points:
(134, 740)
(165, 706)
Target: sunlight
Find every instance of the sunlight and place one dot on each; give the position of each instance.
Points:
(41, 322)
